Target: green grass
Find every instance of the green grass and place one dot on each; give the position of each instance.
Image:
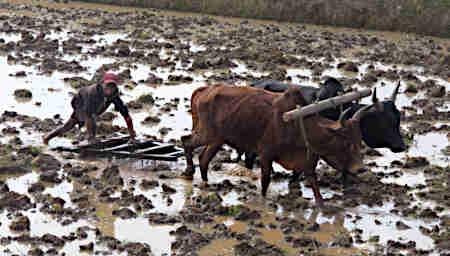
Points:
(234, 210)
(146, 99)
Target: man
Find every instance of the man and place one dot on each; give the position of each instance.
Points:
(90, 102)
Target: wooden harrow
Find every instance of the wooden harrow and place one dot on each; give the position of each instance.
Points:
(120, 147)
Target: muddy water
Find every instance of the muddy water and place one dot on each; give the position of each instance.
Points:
(54, 96)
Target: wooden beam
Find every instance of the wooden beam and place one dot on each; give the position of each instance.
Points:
(325, 104)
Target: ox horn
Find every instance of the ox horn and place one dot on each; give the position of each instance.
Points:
(395, 92)
(376, 102)
(361, 113)
(342, 117)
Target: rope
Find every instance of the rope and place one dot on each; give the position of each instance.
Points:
(305, 138)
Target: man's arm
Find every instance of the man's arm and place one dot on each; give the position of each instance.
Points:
(91, 127)
(123, 110)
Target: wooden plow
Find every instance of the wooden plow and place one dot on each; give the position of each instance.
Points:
(119, 147)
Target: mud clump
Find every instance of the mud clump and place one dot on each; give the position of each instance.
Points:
(437, 91)
(111, 176)
(348, 66)
(77, 82)
(23, 93)
(185, 245)
(305, 242)
(137, 249)
(21, 223)
(36, 252)
(46, 162)
(401, 225)
(3, 187)
(10, 130)
(124, 213)
(13, 169)
(50, 177)
(151, 120)
(36, 187)
(167, 189)
(87, 247)
(15, 201)
(416, 162)
(149, 184)
(245, 214)
(52, 240)
(152, 79)
(19, 74)
(162, 218)
(146, 99)
(257, 248)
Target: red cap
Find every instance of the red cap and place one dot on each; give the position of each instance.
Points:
(110, 78)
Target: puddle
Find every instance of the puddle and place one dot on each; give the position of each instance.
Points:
(10, 37)
(139, 230)
(218, 247)
(20, 184)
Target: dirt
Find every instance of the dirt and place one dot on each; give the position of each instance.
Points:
(68, 203)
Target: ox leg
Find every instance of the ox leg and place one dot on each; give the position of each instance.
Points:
(189, 147)
(205, 157)
(250, 160)
(239, 156)
(348, 178)
(266, 167)
(295, 177)
(311, 176)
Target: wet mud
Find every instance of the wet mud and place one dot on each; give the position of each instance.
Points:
(55, 203)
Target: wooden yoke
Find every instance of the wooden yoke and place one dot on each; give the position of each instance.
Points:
(325, 104)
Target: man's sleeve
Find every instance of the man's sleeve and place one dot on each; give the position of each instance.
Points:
(120, 106)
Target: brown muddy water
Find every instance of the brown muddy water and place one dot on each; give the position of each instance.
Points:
(372, 228)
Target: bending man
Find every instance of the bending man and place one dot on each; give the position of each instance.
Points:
(89, 103)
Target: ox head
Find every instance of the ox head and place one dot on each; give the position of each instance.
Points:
(331, 88)
(343, 149)
(380, 127)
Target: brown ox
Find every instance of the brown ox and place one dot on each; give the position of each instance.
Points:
(250, 120)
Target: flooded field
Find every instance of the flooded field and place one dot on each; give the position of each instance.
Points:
(57, 203)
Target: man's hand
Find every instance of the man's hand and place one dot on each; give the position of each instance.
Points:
(130, 126)
(133, 141)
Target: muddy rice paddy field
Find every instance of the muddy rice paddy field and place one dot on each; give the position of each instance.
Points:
(54, 203)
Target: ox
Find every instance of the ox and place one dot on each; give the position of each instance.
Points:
(253, 122)
(380, 128)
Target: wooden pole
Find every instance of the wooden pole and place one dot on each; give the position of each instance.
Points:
(325, 104)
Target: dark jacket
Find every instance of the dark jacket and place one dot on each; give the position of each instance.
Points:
(90, 101)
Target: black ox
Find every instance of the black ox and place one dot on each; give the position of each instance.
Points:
(380, 128)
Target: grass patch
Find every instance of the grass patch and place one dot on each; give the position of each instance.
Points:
(146, 99)
(234, 210)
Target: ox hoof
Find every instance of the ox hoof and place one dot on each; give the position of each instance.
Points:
(204, 185)
(187, 176)
(320, 205)
(350, 179)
